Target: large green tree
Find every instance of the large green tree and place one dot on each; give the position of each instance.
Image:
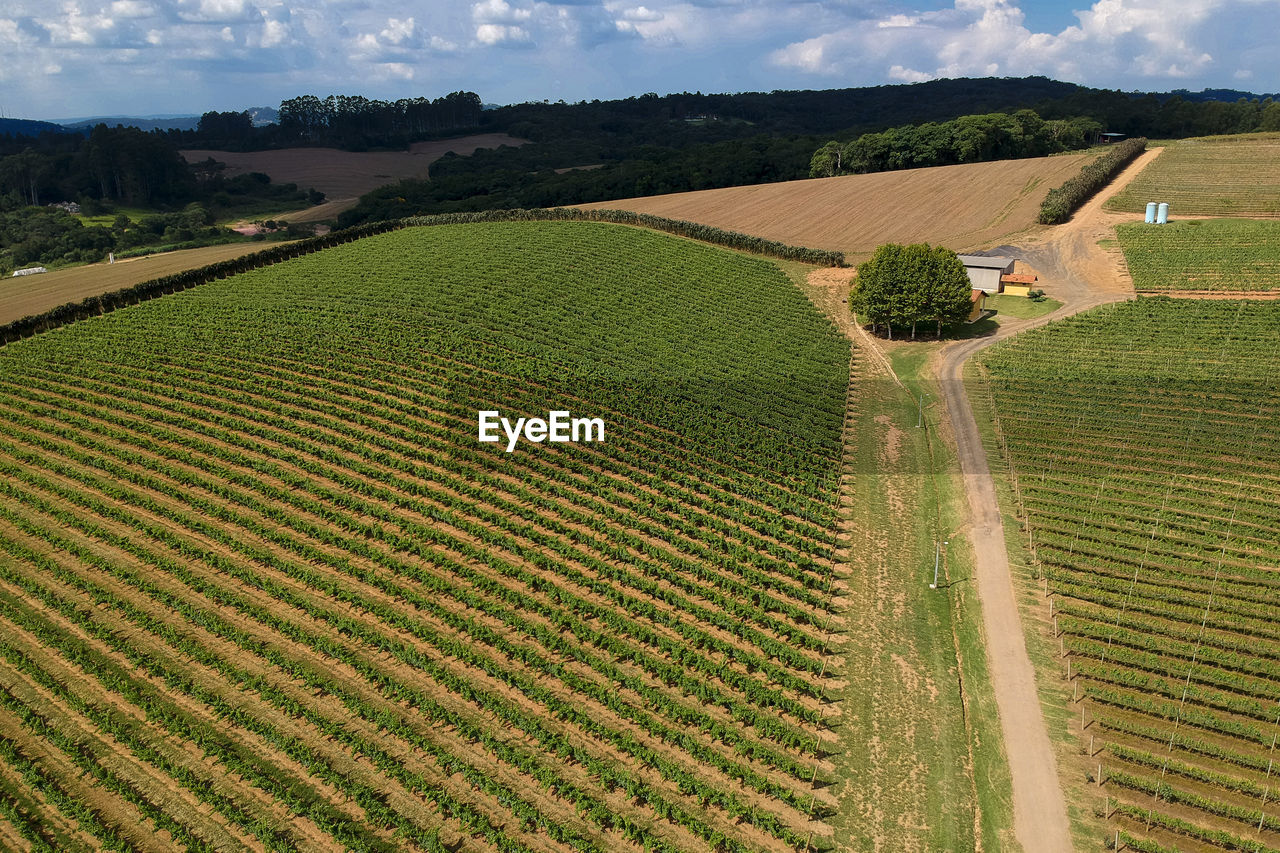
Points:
(908, 285)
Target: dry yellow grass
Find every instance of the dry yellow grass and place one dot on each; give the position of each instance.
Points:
(962, 207)
(32, 294)
(347, 175)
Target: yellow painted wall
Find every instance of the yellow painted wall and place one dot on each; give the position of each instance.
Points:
(976, 313)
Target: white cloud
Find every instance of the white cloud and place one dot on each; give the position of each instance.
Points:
(214, 10)
(641, 13)
(12, 35)
(399, 70)
(908, 75)
(397, 31)
(131, 9)
(1143, 42)
(811, 55)
(74, 27)
(498, 12)
(184, 53)
(274, 33)
(492, 34)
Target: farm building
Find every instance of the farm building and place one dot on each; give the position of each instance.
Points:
(985, 272)
(1017, 285)
(979, 298)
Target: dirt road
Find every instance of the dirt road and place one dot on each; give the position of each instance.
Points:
(1076, 270)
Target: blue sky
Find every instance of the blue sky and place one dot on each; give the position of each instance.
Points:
(92, 57)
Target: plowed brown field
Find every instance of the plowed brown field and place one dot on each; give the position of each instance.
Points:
(347, 175)
(31, 294)
(962, 207)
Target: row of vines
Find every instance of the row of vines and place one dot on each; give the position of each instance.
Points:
(261, 587)
(1145, 444)
(1211, 255)
(97, 305)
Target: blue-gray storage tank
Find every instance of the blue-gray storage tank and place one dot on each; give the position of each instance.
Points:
(1151, 213)
(1162, 213)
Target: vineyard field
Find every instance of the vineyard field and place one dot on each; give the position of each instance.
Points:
(1143, 441)
(1215, 255)
(1210, 176)
(262, 588)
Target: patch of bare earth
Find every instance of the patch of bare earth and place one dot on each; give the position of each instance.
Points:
(948, 205)
(344, 176)
(34, 294)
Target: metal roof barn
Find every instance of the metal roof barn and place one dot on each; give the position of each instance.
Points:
(985, 272)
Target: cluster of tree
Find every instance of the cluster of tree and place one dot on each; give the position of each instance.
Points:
(44, 235)
(350, 122)
(119, 167)
(968, 139)
(681, 119)
(50, 235)
(684, 116)
(650, 145)
(907, 285)
(520, 178)
(120, 164)
(634, 146)
(125, 166)
(1165, 116)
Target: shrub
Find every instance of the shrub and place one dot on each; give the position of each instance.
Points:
(1065, 200)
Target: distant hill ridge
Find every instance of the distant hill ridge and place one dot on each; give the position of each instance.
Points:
(28, 127)
(155, 122)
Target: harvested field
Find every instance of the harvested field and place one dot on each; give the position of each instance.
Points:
(261, 587)
(344, 176)
(1235, 175)
(963, 207)
(32, 294)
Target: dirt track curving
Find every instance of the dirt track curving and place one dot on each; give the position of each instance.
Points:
(1079, 272)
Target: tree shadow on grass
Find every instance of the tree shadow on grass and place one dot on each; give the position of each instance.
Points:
(984, 328)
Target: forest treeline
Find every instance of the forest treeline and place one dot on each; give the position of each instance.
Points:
(349, 122)
(112, 168)
(1024, 133)
(651, 145)
(968, 139)
(601, 150)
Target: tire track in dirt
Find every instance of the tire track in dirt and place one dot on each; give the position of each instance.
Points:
(1083, 275)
